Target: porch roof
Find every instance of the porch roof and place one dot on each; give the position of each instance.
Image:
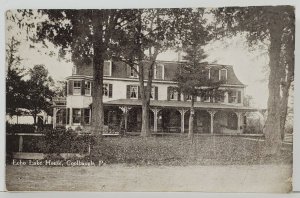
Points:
(179, 104)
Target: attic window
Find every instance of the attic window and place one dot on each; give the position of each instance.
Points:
(159, 71)
(107, 68)
(223, 75)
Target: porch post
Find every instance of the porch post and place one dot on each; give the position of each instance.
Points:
(155, 112)
(71, 116)
(54, 117)
(182, 112)
(238, 114)
(212, 113)
(125, 110)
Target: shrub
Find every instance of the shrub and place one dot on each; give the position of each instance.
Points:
(20, 128)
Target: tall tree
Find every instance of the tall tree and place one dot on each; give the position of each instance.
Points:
(39, 93)
(287, 62)
(150, 33)
(15, 84)
(87, 34)
(267, 23)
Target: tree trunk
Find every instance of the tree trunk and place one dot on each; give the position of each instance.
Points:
(34, 119)
(98, 63)
(191, 119)
(284, 106)
(272, 125)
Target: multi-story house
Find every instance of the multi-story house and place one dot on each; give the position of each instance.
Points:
(169, 108)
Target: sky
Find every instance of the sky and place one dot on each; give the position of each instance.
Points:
(249, 65)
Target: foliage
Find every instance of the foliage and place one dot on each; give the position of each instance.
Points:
(274, 24)
(15, 85)
(192, 77)
(39, 94)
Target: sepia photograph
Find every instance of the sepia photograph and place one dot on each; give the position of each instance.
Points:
(150, 99)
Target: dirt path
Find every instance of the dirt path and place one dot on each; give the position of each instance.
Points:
(259, 178)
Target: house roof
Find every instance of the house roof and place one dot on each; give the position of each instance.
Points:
(180, 104)
(170, 69)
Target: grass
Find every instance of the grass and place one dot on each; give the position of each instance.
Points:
(204, 150)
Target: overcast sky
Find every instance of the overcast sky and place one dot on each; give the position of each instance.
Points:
(249, 66)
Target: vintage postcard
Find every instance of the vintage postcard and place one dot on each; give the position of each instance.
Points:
(150, 99)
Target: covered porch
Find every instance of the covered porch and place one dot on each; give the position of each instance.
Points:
(171, 117)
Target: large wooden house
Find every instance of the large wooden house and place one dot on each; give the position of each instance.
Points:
(169, 108)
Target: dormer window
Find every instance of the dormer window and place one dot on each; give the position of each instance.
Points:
(107, 68)
(223, 74)
(131, 71)
(159, 71)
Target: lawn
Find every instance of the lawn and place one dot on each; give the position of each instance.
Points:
(204, 150)
(209, 163)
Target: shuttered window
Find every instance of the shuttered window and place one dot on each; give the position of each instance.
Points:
(76, 116)
(107, 90)
(133, 92)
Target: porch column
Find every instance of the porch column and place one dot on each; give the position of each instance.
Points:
(71, 116)
(155, 112)
(182, 112)
(238, 114)
(125, 110)
(54, 117)
(212, 113)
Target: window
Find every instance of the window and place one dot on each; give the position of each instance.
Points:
(107, 68)
(205, 98)
(105, 90)
(152, 94)
(134, 92)
(188, 97)
(173, 94)
(86, 116)
(214, 75)
(232, 96)
(159, 71)
(77, 88)
(76, 116)
(87, 88)
(223, 75)
(133, 73)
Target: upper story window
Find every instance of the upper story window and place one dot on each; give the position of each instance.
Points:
(87, 88)
(174, 94)
(107, 68)
(188, 97)
(107, 90)
(234, 96)
(77, 87)
(133, 91)
(131, 72)
(223, 75)
(214, 74)
(159, 71)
